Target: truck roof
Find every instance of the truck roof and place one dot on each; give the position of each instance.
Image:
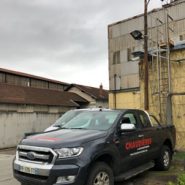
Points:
(105, 109)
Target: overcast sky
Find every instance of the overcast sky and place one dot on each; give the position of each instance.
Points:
(64, 40)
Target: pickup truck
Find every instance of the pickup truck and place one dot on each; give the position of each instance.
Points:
(94, 147)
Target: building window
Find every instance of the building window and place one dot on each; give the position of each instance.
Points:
(2, 77)
(28, 83)
(117, 82)
(129, 53)
(182, 37)
(116, 57)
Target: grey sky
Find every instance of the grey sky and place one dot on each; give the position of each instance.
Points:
(64, 40)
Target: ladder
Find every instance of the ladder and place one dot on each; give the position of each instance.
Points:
(163, 65)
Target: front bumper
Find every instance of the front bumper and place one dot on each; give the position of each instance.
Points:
(34, 174)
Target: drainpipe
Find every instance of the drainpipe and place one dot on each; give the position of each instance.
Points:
(169, 110)
(115, 85)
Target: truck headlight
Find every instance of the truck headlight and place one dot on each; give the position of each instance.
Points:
(69, 152)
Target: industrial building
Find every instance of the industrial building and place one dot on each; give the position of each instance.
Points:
(166, 46)
(97, 97)
(18, 78)
(31, 103)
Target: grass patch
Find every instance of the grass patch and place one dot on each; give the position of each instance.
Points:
(179, 156)
(180, 180)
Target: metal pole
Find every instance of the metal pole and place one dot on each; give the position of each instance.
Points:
(158, 70)
(115, 89)
(146, 98)
(168, 53)
(169, 106)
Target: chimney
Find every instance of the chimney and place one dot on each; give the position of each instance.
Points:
(101, 91)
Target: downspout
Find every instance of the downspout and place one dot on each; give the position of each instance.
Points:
(169, 110)
(115, 85)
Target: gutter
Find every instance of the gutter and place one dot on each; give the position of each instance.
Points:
(169, 110)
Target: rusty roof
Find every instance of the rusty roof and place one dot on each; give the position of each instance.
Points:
(31, 76)
(91, 91)
(34, 96)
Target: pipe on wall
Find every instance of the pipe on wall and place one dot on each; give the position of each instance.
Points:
(115, 85)
(169, 109)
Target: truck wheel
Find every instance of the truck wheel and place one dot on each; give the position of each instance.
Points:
(164, 161)
(100, 174)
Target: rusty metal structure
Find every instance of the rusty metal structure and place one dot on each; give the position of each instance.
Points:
(161, 56)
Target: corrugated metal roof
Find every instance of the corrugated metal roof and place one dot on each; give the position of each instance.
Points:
(26, 95)
(31, 76)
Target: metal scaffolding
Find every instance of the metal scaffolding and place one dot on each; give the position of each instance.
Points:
(161, 86)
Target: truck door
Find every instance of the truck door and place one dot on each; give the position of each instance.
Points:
(129, 142)
(151, 134)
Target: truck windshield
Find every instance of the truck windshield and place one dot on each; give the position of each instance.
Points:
(89, 120)
(65, 118)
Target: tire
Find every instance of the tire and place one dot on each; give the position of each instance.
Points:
(100, 173)
(164, 161)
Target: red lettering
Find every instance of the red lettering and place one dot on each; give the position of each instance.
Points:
(138, 143)
(127, 146)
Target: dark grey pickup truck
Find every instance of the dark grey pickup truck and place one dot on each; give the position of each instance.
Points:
(94, 147)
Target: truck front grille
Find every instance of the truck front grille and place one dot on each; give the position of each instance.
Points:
(36, 154)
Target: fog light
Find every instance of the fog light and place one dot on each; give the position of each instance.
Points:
(66, 179)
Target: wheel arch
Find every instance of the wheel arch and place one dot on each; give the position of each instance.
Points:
(106, 158)
(168, 143)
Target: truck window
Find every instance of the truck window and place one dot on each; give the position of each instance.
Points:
(154, 121)
(129, 118)
(144, 120)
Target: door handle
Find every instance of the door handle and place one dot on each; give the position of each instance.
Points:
(140, 135)
(116, 141)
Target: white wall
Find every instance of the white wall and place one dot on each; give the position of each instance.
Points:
(13, 125)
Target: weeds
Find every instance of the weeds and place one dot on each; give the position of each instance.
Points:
(180, 180)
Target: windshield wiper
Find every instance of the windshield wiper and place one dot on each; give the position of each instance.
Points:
(79, 128)
(60, 126)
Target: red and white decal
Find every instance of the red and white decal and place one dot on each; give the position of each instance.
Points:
(45, 138)
(138, 144)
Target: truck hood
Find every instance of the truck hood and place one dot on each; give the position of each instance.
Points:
(63, 138)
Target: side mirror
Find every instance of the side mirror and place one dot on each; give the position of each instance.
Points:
(128, 127)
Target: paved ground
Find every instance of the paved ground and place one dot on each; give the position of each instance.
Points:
(6, 177)
(147, 178)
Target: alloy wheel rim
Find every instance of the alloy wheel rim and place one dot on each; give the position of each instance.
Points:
(102, 178)
(166, 158)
